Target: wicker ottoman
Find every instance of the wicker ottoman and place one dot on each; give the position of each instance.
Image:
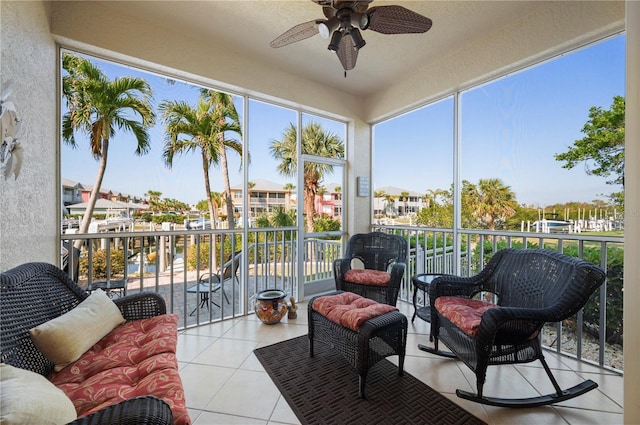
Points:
(378, 337)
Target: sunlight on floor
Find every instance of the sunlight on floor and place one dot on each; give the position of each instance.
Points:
(222, 378)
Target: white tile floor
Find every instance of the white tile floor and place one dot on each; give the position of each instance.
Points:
(226, 384)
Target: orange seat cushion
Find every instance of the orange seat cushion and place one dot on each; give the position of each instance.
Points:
(368, 277)
(349, 310)
(465, 313)
(137, 358)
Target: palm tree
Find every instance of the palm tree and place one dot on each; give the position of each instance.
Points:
(492, 201)
(217, 200)
(288, 187)
(250, 185)
(389, 201)
(315, 141)
(203, 128)
(98, 106)
(154, 198)
(432, 196)
(404, 196)
(226, 112)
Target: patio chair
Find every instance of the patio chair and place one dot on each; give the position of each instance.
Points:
(528, 287)
(373, 266)
(213, 282)
(110, 286)
(69, 260)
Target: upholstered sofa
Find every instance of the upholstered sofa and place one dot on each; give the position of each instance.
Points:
(67, 356)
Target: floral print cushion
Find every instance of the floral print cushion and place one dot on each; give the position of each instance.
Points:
(350, 310)
(137, 358)
(465, 313)
(368, 277)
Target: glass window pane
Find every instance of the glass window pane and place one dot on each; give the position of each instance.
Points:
(413, 167)
(513, 128)
(272, 181)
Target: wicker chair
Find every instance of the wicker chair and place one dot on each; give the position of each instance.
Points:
(34, 293)
(530, 287)
(377, 251)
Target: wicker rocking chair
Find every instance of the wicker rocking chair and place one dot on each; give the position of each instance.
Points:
(529, 287)
(382, 262)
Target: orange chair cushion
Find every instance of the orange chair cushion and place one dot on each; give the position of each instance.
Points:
(465, 313)
(368, 277)
(349, 310)
(137, 358)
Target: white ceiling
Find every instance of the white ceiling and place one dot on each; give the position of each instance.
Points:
(248, 26)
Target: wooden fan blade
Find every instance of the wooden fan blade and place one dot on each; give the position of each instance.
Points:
(347, 53)
(297, 33)
(397, 20)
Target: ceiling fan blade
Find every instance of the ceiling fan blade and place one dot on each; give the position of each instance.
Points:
(397, 20)
(347, 53)
(297, 33)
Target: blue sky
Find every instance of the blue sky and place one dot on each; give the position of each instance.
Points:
(184, 181)
(511, 128)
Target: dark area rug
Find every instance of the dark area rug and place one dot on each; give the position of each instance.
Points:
(324, 389)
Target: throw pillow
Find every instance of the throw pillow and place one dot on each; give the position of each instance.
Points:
(29, 398)
(64, 339)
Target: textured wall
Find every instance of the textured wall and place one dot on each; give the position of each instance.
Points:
(28, 213)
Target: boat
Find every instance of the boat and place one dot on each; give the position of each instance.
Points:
(113, 223)
(552, 225)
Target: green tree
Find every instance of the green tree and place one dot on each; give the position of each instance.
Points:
(250, 186)
(404, 197)
(154, 199)
(204, 129)
(389, 203)
(226, 113)
(99, 107)
(602, 148)
(315, 141)
(289, 188)
(325, 223)
(439, 209)
(491, 202)
(276, 218)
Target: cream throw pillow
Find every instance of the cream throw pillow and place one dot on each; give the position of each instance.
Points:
(29, 398)
(64, 339)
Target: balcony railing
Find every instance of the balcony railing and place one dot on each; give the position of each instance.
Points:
(595, 335)
(172, 263)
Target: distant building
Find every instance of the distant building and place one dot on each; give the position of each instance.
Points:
(394, 203)
(75, 192)
(329, 201)
(266, 196)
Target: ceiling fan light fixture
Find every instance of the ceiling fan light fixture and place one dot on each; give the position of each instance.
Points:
(360, 20)
(344, 19)
(334, 45)
(325, 28)
(358, 41)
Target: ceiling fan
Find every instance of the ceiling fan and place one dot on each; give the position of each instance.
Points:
(345, 19)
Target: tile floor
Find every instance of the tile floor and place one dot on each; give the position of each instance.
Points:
(226, 384)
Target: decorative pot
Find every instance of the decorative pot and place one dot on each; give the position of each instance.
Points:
(270, 306)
